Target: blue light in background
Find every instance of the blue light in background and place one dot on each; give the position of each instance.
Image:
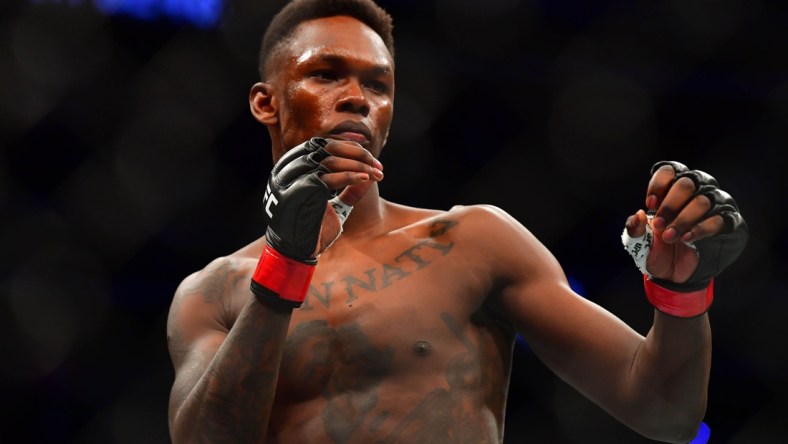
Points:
(200, 13)
(576, 286)
(703, 434)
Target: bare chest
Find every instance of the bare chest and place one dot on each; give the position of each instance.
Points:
(404, 312)
(389, 343)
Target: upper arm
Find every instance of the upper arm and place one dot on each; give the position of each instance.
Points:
(197, 326)
(584, 344)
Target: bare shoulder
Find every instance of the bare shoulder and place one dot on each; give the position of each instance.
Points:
(472, 216)
(220, 278)
(214, 281)
(488, 225)
(488, 236)
(208, 300)
(484, 214)
(502, 241)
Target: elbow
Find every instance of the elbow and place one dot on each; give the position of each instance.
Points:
(672, 419)
(675, 429)
(681, 434)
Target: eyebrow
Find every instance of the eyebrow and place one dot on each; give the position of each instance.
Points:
(334, 59)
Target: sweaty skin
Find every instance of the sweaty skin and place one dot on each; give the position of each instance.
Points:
(407, 330)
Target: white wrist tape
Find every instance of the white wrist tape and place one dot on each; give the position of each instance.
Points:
(341, 209)
(638, 247)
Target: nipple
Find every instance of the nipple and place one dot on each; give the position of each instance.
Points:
(422, 348)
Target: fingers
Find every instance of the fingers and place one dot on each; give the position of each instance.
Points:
(349, 164)
(707, 228)
(682, 223)
(659, 185)
(636, 224)
(351, 150)
(681, 213)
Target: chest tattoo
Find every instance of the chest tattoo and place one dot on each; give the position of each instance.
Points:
(345, 365)
(412, 259)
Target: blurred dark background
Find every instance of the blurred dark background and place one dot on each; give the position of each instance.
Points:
(129, 160)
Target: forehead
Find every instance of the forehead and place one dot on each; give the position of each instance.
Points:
(339, 36)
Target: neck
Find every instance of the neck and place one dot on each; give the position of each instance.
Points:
(367, 215)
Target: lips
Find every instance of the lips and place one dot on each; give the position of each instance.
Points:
(352, 131)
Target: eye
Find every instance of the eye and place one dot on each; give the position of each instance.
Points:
(377, 86)
(323, 74)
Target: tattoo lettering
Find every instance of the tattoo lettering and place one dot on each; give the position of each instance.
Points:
(390, 272)
(324, 298)
(420, 262)
(414, 258)
(369, 285)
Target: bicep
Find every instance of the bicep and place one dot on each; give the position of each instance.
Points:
(194, 336)
(581, 342)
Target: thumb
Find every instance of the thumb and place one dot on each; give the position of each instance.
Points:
(636, 224)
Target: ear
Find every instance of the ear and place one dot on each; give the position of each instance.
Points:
(263, 104)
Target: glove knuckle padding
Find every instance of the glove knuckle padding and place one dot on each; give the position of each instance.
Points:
(678, 167)
(306, 160)
(699, 178)
(296, 152)
(717, 252)
(301, 196)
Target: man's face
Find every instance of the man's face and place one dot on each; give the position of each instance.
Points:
(336, 80)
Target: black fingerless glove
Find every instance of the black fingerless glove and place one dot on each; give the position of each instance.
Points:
(715, 253)
(294, 202)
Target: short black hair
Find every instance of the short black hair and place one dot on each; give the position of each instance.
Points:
(297, 11)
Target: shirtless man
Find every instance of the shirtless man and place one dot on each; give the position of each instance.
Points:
(403, 330)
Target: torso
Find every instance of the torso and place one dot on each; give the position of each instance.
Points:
(397, 341)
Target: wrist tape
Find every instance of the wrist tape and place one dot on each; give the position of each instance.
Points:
(683, 304)
(341, 209)
(679, 304)
(288, 278)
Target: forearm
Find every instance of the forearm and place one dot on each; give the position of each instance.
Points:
(233, 399)
(670, 375)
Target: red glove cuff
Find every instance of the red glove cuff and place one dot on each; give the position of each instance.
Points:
(679, 304)
(286, 277)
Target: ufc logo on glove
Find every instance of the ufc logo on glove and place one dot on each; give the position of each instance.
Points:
(268, 200)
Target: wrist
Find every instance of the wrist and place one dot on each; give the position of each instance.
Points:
(682, 304)
(281, 280)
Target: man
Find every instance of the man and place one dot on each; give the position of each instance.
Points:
(402, 330)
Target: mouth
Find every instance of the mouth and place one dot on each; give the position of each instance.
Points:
(351, 131)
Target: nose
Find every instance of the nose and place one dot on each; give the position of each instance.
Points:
(352, 99)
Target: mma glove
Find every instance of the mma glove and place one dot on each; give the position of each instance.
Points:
(294, 202)
(715, 253)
